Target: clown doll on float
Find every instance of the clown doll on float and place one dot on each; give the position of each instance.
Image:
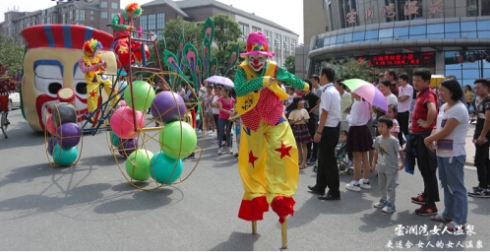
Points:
(122, 26)
(51, 69)
(93, 67)
(268, 157)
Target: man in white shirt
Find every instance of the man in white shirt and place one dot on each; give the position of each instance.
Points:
(327, 137)
(316, 90)
(292, 94)
(405, 93)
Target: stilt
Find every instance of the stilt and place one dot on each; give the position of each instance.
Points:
(284, 234)
(254, 227)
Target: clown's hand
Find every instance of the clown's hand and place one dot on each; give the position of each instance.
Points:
(267, 81)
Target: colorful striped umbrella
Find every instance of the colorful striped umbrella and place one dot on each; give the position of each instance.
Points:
(368, 92)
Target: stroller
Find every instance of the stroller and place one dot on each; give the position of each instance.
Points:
(343, 159)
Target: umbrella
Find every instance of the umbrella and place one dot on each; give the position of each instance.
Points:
(368, 92)
(220, 80)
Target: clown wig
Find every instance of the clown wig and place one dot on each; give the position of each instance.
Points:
(91, 46)
(134, 8)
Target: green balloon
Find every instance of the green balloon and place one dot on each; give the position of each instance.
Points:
(114, 139)
(171, 136)
(64, 157)
(138, 164)
(143, 95)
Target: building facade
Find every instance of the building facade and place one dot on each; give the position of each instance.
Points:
(93, 13)
(282, 41)
(450, 37)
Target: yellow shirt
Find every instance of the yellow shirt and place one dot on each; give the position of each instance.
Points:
(469, 95)
(296, 114)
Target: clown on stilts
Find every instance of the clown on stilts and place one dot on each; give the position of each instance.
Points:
(93, 67)
(123, 26)
(268, 157)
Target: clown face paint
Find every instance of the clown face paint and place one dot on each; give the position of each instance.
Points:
(46, 71)
(257, 62)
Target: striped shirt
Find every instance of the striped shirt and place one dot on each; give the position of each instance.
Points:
(420, 110)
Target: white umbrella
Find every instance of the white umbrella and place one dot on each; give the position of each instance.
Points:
(220, 80)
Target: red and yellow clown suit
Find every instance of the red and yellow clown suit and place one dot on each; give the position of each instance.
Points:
(93, 67)
(5, 88)
(122, 26)
(268, 157)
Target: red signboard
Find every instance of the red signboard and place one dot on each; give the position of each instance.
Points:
(401, 59)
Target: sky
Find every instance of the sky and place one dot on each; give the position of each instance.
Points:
(289, 14)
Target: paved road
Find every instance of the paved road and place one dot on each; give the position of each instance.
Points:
(92, 207)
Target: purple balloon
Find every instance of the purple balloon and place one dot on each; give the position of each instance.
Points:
(52, 142)
(165, 109)
(127, 146)
(69, 134)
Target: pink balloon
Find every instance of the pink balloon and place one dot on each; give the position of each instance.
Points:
(122, 103)
(122, 122)
(50, 126)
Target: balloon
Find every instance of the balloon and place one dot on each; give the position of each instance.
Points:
(64, 157)
(171, 136)
(50, 126)
(122, 103)
(122, 122)
(69, 134)
(164, 170)
(52, 142)
(63, 113)
(168, 107)
(138, 164)
(114, 139)
(143, 95)
(127, 146)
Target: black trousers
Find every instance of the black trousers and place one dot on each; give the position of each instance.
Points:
(312, 127)
(482, 164)
(402, 119)
(328, 171)
(427, 163)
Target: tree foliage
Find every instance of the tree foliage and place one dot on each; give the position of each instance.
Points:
(349, 68)
(153, 56)
(226, 31)
(11, 54)
(290, 64)
(192, 34)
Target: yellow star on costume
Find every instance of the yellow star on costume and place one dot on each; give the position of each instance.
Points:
(122, 49)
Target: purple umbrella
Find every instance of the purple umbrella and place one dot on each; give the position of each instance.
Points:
(220, 80)
(368, 92)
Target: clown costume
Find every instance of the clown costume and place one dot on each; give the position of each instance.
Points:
(93, 67)
(268, 157)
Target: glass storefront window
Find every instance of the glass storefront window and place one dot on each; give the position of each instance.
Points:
(483, 34)
(452, 35)
(340, 39)
(417, 36)
(371, 35)
(418, 29)
(401, 31)
(358, 36)
(468, 26)
(385, 33)
(452, 27)
(439, 28)
(348, 37)
(469, 34)
(435, 35)
(483, 25)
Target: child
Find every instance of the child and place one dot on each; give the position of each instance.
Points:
(340, 148)
(298, 118)
(392, 113)
(359, 143)
(386, 148)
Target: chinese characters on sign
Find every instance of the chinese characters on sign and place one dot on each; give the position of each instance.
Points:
(423, 230)
(389, 11)
(411, 8)
(424, 58)
(351, 17)
(436, 7)
(369, 13)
